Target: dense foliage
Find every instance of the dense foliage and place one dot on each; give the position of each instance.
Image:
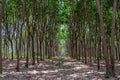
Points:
(42, 29)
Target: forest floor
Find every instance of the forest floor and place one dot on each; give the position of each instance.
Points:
(51, 70)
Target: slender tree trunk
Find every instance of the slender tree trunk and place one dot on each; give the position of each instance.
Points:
(37, 49)
(28, 34)
(0, 41)
(1, 14)
(33, 53)
(28, 42)
(85, 56)
(12, 49)
(99, 45)
(17, 52)
(103, 37)
(112, 39)
(98, 53)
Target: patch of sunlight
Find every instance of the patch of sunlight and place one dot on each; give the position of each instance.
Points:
(33, 72)
(90, 72)
(101, 72)
(10, 65)
(117, 64)
(12, 72)
(118, 76)
(96, 79)
(67, 63)
(65, 69)
(84, 66)
(50, 71)
(77, 68)
(40, 65)
(84, 75)
(16, 73)
(58, 79)
(22, 61)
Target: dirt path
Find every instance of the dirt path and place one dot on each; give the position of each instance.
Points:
(51, 70)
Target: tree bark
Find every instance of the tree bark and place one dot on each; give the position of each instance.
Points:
(112, 39)
(1, 14)
(103, 37)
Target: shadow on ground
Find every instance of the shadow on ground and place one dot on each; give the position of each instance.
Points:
(51, 70)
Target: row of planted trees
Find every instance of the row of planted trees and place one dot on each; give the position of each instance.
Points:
(94, 32)
(29, 30)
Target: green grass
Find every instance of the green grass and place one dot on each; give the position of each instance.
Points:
(1, 75)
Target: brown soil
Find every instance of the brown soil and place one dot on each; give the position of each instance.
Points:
(51, 70)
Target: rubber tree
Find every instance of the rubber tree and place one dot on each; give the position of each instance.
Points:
(1, 15)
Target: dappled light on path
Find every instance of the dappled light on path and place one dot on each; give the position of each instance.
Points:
(47, 70)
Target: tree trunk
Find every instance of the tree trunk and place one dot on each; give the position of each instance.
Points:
(17, 52)
(1, 13)
(33, 53)
(103, 37)
(112, 40)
